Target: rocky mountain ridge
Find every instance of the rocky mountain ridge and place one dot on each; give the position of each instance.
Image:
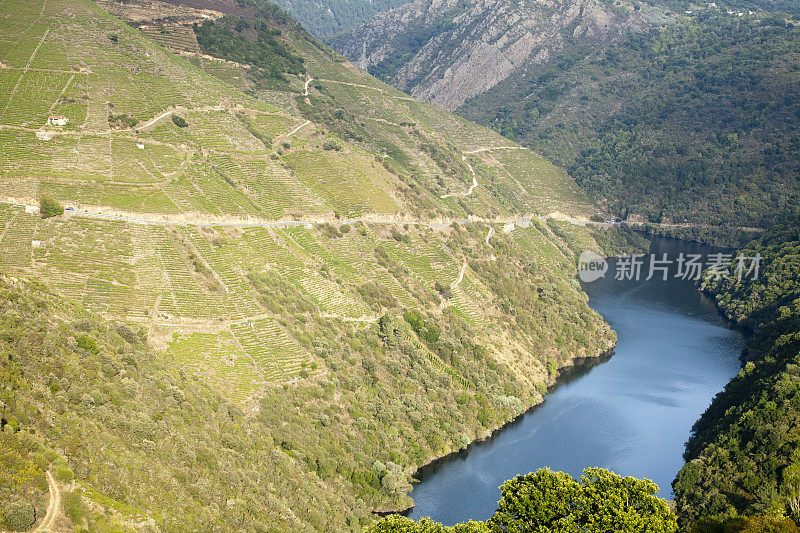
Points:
(445, 52)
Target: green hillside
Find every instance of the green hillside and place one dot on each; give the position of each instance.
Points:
(743, 456)
(697, 122)
(261, 309)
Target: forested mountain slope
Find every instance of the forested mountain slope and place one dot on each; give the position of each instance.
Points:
(744, 455)
(445, 52)
(270, 299)
(696, 123)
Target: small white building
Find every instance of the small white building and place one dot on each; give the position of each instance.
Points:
(140, 145)
(57, 120)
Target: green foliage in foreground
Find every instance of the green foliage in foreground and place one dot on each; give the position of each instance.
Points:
(744, 524)
(744, 455)
(49, 207)
(545, 501)
(696, 122)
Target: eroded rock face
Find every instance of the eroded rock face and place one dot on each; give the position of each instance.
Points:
(445, 52)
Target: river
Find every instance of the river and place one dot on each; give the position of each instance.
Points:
(631, 414)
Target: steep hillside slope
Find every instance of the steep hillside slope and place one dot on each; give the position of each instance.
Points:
(332, 17)
(743, 457)
(695, 123)
(351, 282)
(135, 441)
(445, 52)
(122, 90)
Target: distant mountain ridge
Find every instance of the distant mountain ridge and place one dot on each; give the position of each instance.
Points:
(326, 19)
(445, 51)
(697, 122)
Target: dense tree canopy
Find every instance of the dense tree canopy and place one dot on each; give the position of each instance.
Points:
(744, 455)
(251, 42)
(695, 122)
(553, 502)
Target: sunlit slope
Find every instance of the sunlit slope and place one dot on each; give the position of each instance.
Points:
(216, 216)
(366, 147)
(117, 89)
(226, 300)
(431, 149)
(190, 249)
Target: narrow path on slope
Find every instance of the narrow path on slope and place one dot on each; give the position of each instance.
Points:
(474, 181)
(298, 128)
(490, 148)
(211, 220)
(156, 119)
(305, 88)
(354, 85)
(489, 234)
(460, 276)
(52, 507)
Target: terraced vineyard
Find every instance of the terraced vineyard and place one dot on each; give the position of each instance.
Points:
(180, 38)
(235, 159)
(317, 258)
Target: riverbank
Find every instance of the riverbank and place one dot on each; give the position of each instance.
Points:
(576, 367)
(631, 415)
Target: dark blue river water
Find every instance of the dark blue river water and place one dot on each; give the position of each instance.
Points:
(631, 414)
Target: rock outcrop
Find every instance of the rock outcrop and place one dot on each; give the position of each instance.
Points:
(445, 52)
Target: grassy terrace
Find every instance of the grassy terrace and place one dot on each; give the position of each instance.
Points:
(193, 285)
(233, 303)
(236, 157)
(340, 344)
(180, 38)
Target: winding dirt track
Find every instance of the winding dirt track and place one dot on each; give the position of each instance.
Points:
(306, 123)
(460, 276)
(52, 507)
(156, 119)
(474, 181)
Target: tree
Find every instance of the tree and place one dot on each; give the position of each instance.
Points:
(613, 503)
(179, 121)
(401, 524)
(386, 330)
(791, 484)
(546, 501)
(539, 501)
(553, 502)
(415, 320)
(49, 206)
(743, 524)
(432, 335)
(20, 515)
